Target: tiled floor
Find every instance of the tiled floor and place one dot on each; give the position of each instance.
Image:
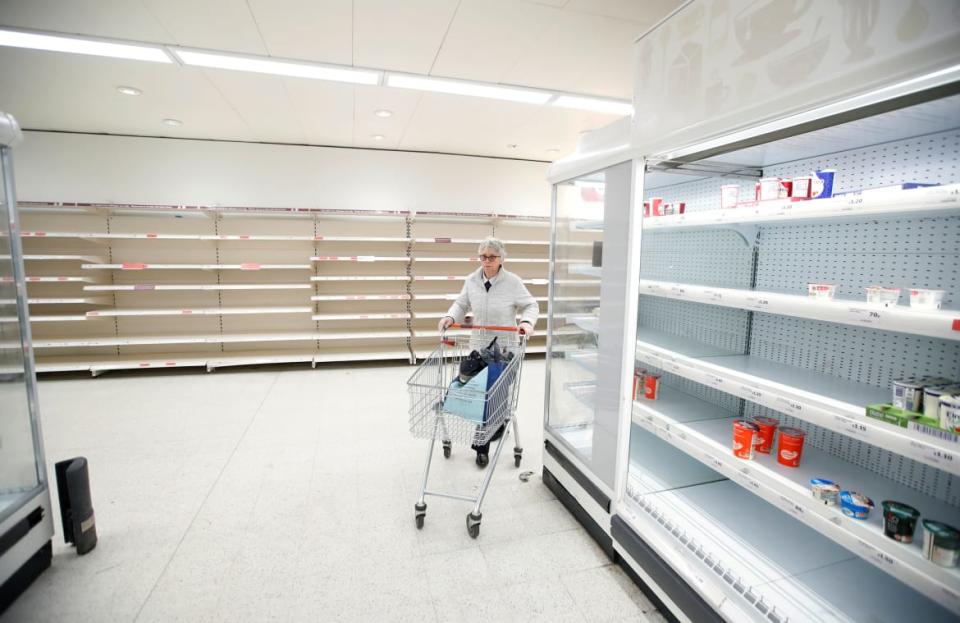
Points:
(287, 494)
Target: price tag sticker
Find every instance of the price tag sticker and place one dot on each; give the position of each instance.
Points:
(715, 381)
(791, 507)
(876, 556)
(853, 427)
(863, 315)
(788, 405)
(934, 455)
(751, 393)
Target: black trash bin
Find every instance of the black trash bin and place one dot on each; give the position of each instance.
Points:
(76, 505)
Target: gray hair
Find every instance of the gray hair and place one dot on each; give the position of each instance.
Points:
(493, 243)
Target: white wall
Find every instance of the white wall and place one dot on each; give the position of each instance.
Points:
(88, 168)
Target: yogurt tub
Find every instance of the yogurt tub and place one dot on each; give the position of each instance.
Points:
(744, 436)
(908, 394)
(790, 446)
(825, 490)
(941, 543)
(878, 295)
(931, 398)
(766, 428)
(821, 291)
(899, 520)
(855, 504)
(950, 413)
(921, 298)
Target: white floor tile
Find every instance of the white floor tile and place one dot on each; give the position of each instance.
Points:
(287, 494)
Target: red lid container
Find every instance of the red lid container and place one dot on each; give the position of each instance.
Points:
(767, 429)
(790, 446)
(744, 435)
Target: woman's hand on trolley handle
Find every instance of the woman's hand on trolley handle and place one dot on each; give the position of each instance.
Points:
(526, 329)
(444, 323)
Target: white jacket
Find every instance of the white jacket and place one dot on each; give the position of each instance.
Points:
(507, 299)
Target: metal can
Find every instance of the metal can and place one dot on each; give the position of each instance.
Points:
(908, 394)
(790, 446)
(825, 490)
(767, 428)
(941, 543)
(729, 196)
(744, 433)
(950, 413)
(769, 188)
(801, 187)
(651, 386)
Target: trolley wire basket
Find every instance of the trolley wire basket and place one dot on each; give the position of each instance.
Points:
(447, 407)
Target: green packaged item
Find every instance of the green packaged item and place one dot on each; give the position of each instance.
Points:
(891, 414)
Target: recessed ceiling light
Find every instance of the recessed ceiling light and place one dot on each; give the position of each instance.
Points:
(172, 122)
(294, 69)
(377, 137)
(383, 113)
(475, 89)
(130, 90)
(595, 104)
(77, 45)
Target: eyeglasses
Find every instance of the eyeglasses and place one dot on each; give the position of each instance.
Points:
(488, 258)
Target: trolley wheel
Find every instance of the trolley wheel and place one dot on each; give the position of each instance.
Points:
(446, 449)
(473, 524)
(517, 455)
(420, 513)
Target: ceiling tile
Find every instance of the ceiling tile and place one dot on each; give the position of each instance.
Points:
(263, 103)
(324, 110)
(214, 24)
(101, 18)
(51, 91)
(316, 30)
(646, 13)
(403, 36)
(401, 102)
(488, 37)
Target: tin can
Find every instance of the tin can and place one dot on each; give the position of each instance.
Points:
(823, 184)
(950, 413)
(651, 386)
(766, 429)
(790, 446)
(825, 490)
(899, 520)
(941, 543)
(769, 188)
(908, 394)
(656, 206)
(801, 187)
(729, 196)
(855, 505)
(744, 433)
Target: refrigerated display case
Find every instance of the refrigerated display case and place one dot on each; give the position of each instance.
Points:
(782, 308)
(26, 525)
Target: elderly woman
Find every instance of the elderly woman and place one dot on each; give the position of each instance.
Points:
(494, 296)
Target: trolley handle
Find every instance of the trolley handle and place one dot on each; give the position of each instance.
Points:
(483, 327)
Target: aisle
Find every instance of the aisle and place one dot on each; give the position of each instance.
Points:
(287, 494)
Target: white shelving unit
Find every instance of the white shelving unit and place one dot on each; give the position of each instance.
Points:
(165, 286)
(703, 431)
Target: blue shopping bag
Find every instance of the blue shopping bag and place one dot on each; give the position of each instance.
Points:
(469, 400)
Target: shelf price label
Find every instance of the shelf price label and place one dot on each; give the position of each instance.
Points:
(864, 315)
(751, 393)
(876, 556)
(852, 203)
(853, 427)
(791, 507)
(932, 454)
(714, 381)
(788, 405)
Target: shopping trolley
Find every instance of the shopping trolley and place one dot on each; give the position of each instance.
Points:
(441, 408)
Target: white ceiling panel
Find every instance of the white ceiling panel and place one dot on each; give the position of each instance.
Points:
(488, 37)
(403, 36)
(324, 110)
(215, 24)
(70, 92)
(262, 102)
(401, 102)
(322, 30)
(101, 18)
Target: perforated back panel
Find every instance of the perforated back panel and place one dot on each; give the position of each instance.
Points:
(901, 253)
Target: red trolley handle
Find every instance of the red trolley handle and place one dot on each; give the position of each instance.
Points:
(482, 327)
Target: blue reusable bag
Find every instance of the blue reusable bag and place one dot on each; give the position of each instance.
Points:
(469, 401)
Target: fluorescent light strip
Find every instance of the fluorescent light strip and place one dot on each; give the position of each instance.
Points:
(279, 68)
(75, 45)
(610, 107)
(473, 89)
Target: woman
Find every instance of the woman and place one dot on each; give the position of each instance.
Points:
(493, 296)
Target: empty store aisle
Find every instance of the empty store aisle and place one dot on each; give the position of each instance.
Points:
(285, 493)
